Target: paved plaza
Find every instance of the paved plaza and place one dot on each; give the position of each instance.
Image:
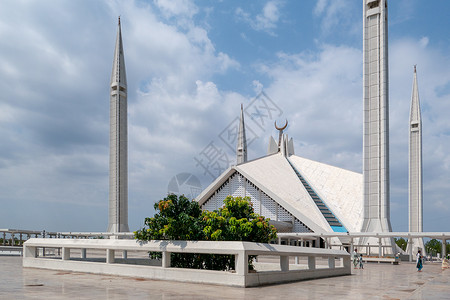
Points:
(376, 281)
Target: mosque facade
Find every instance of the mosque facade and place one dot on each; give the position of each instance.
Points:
(302, 195)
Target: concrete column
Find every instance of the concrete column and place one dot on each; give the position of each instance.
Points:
(20, 239)
(241, 263)
(296, 260)
(284, 263)
(65, 253)
(83, 253)
(110, 256)
(279, 240)
(302, 243)
(331, 262)
(444, 248)
(125, 254)
(4, 238)
(29, 251)
(318, 242)
(347, 262)
(410, 248)
(12, 239)
(379, 248)
(351, 246)
(165, 259)
(311, 262)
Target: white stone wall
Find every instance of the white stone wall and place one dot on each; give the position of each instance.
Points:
(238, 186)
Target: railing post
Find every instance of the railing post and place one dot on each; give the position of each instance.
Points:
(65, 253)
(124, 254)
(29, 251)
(284, 263)
(346, 262)
(311, 262)
(83, 253)
(166, 259)
(241, 263)
(331, 262)
(110, 256)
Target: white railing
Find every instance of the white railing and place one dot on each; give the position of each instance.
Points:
(110, 264)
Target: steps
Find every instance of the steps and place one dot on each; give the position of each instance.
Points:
(326, 212)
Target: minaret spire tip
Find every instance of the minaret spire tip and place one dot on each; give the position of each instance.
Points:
(415, 68)
(119, 20)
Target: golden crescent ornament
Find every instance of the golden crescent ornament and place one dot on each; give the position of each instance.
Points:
(282, 128)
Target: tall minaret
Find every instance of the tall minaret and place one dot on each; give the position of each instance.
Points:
(376, 118)
(241, 147)
(415, 168)
(118, 143)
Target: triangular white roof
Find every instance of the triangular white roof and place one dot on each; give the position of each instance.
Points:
(274, 176)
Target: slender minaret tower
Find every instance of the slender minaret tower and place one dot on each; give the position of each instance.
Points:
(376, 120)
(118, 143)
(241, 148)
(415, 168)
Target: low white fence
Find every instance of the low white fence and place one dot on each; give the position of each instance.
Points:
(112, 265)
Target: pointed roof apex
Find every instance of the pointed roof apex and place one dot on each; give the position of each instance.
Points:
(119, 20)
(415, 68)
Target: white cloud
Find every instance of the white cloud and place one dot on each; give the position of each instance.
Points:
(265, 21)
(424, 42)
(336, 15)
(177, 7)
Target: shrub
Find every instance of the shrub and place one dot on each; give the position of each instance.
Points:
(178, 218)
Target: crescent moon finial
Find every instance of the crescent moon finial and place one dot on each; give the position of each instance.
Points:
(281, 128)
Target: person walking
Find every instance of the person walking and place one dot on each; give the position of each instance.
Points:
(361, 266)
(355, 258)
(419, 265)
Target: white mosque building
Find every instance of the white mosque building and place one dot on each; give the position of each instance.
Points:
(305, 196)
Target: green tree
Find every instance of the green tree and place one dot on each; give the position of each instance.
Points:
(178, 218)
(433, 246)
(236, 221)
(402, 243)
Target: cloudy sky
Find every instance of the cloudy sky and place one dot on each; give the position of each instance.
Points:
(190, 64)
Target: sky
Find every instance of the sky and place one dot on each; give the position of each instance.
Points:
(190, 65)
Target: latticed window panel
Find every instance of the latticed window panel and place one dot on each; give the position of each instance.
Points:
(300, 227)
(268, 207)
(210, 204)
(284, 215)
(253, 192)
(239, 186)
(222, 194)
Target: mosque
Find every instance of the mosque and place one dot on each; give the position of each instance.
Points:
(301, 195)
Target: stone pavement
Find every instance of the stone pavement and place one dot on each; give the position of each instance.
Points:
(376, 281)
